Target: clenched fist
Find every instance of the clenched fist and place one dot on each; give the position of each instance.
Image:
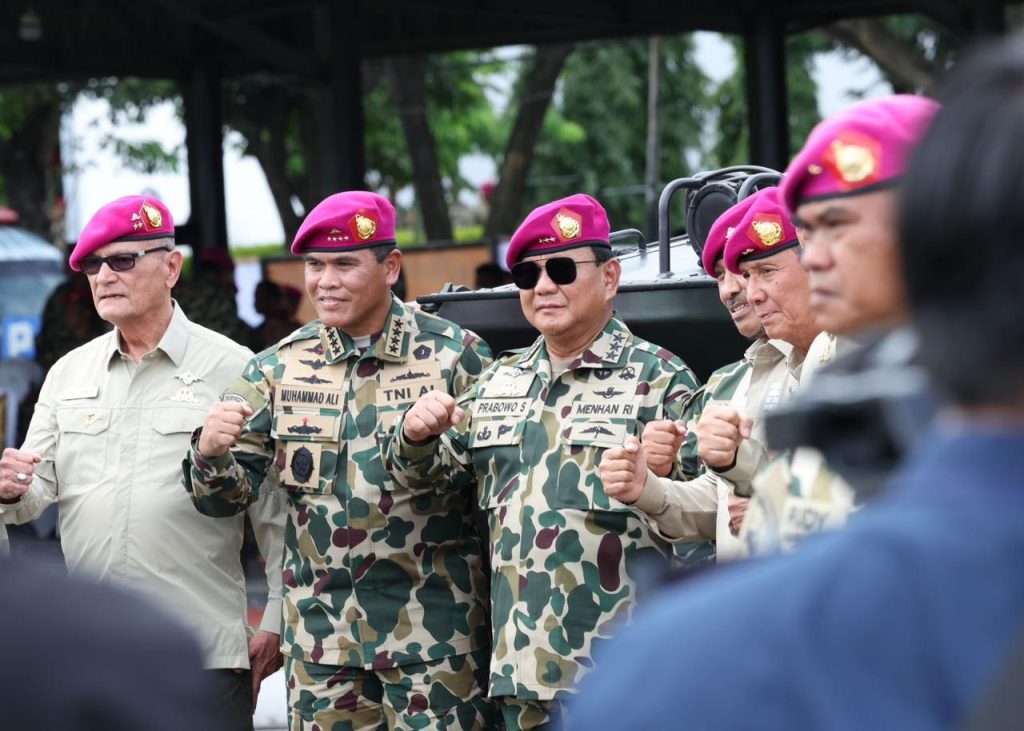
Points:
(16, 471)
(661, 441)
(433, 414)
(737, 511)
(624, 471)
(223, 427)
(720, 430)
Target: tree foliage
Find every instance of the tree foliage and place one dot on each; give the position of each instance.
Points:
(594, 137)
(590, 135)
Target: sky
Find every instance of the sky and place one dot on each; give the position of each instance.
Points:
(97, 175)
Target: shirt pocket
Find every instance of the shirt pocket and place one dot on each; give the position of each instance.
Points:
(497, 455)
(584, 439)
(82, 451)
(172, 433)
(308, 449)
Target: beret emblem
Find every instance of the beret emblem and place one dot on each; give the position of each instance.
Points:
(854, 163)
(769, 232)
(153, 215)
(568, 226)
(365, 227)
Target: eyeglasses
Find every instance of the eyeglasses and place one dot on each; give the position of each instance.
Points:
(560, 269)
(117, 262)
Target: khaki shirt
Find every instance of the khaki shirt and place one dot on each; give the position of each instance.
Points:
(797, 494)
(697, 509)
(112, 435)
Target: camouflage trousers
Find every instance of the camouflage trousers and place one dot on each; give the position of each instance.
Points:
(522, 715)
(441, 694)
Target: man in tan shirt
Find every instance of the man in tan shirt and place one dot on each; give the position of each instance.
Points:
(755, 237)
(106, 441)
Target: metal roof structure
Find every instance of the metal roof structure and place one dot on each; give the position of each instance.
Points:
(299, 38)
(322, 43)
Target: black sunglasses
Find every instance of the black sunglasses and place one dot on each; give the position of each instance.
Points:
(117, 262)
(560, 269)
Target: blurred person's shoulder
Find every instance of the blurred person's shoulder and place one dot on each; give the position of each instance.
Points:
(77, 650)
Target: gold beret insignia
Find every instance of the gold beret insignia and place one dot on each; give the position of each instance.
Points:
(568, 226)
(365, 227)
(153, 216)
(854, 163)
(769, 232)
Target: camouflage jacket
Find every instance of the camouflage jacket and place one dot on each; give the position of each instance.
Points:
(373, 577)
(564, 555)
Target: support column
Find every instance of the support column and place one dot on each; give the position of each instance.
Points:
(767, 94)
(342, 121)
(988, 18)
(204, 138)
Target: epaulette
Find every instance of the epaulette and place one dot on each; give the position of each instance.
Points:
(663, 354)
(309, 331)
(728, 369)
(513, 353)
(427, 322)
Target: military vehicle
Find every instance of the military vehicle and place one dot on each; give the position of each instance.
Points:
(664, 296)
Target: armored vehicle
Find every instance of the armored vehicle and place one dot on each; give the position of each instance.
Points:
(664, 296)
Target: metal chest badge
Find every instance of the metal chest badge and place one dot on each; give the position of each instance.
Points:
(184, 394)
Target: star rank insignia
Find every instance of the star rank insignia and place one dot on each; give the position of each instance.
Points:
(333, 347)
(393, 346)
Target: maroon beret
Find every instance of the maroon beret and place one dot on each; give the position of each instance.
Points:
(347, 221)
(860, 149)
(131, 218)
(568, 223)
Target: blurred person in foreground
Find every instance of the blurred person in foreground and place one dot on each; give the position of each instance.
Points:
(106, 441)
(842, 190)
(894, 621)
(80, 656)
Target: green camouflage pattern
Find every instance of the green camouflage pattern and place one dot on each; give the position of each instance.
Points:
(564, 555)
(373, 577)
(436, 695)
(527, 715)
(794, 496)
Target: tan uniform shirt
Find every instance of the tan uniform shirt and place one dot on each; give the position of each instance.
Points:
(112, 435)
(798, 494)
(697, 509)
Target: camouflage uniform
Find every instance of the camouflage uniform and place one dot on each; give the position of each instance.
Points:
(797, 493)
(374, 579)
(564, 556)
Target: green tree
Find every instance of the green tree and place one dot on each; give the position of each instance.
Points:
(731, 137)
(594, 136)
